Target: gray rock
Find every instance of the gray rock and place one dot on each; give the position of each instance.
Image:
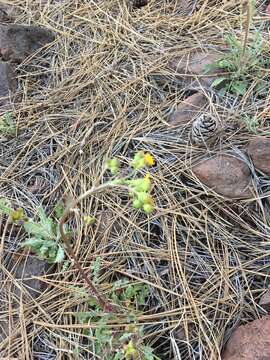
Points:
(8, 82)
(17, 42)
(23, 283)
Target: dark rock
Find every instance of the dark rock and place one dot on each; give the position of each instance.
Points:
(195, 64)
(250, 342)
(265, 301)
(25, 270)
(259, 152)
(188, 109)
(24, 280)
(19, 41)
(139, 3)
(8, 82)
(225, 174)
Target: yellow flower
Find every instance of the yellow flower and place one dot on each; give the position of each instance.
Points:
(149, 159)
(131, 353)
(88, 220)
(149, 200)
(17, 215)
(147, 176)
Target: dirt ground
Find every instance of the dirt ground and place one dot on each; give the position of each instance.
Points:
(107, 84)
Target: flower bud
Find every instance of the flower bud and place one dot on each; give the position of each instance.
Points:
(137, 204)
(148, 208)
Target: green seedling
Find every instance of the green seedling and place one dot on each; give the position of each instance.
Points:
(125, 342)
(252, 123)
(241, 70)
(7, 125)
(50, 239)
(44, 234)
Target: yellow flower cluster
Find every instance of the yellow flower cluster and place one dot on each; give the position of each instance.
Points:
(139, 189)
(140, 192)
(113, 165)
(142, 159)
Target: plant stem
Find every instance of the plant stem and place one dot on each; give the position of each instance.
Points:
(104, 304)
(247, 27)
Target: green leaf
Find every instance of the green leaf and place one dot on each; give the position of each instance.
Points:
(130, 292)
(118, 356)
(39, 230)
(45, 221)
(84, 317)
(252, 123)
(260, 87)
(33, 242)
(125, 337)
(59, 211)
(147, 352)
(239, 87)
(60, 255)
(42, 215)
(207, 68)
(103, 334)
(7, 126)
(218, 81)
(4, 207)
(231, 40)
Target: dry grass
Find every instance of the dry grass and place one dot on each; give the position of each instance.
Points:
(104, 87)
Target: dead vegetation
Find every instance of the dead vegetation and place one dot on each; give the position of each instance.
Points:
(103, 88)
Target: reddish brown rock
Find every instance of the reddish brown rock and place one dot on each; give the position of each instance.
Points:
(188, 109)
(194, 64)
(259, 152)
(227, 175)
(265, 301)
(19, 41)
(250, 342)
(267, 10)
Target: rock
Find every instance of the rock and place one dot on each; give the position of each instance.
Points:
(194, 63)
(25, 270)
(226, 174)
(188, 109)
(250, 342)
(267, 10)
(259, 151)
(139, 3)
(19, 41)
(265, 301)
(8, 81)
